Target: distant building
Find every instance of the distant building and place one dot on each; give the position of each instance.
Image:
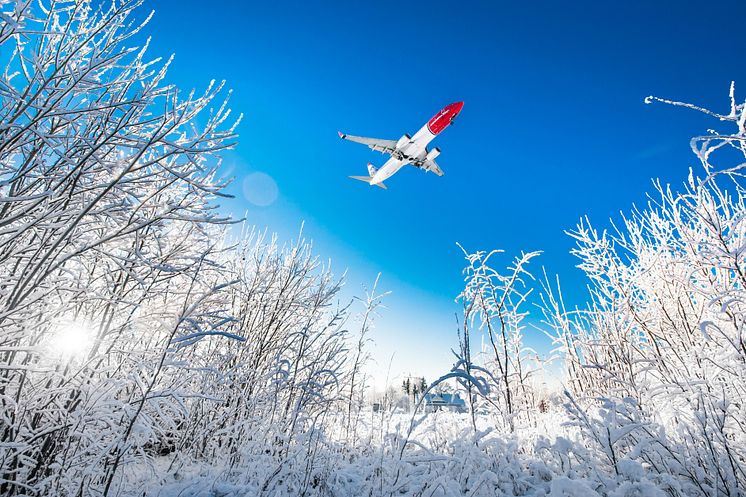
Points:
(449, 401)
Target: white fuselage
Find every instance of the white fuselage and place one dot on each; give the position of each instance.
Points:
(406, 150)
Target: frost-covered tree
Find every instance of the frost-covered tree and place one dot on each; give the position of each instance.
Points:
(130, 328)
(494, 306)
(662, 347)
(108, 242)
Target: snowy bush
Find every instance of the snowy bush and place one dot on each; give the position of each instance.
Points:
(498, 381)
(658, 360)
(131, 329)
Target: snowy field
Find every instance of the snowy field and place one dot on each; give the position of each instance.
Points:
(443, 458)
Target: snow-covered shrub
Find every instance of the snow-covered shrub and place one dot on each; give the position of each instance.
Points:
(134, 338)
(498, 380)
(657, 363)
(109, 246)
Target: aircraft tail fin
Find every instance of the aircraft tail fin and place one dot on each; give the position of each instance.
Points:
(367, 179)
(371, 170)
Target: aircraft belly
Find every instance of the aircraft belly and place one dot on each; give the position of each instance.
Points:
(414, 152)
(412, 149)
(423, 136)
(388, 170)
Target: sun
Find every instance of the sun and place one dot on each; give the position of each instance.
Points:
(72, 339)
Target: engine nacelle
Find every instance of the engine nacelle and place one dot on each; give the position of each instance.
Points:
(432, 154)
(403, 141)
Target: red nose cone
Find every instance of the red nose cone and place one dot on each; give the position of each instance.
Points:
(456, 108)
(443, 118)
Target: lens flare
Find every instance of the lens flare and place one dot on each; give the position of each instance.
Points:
(260, 189)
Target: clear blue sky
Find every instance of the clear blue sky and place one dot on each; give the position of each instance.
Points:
(554, 127)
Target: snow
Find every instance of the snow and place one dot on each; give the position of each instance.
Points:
(565, 487)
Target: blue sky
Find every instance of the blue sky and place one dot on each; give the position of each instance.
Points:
(554, 128)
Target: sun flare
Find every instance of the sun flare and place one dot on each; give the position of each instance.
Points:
(72, 338)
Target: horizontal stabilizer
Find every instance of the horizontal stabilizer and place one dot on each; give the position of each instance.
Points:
(367, 180)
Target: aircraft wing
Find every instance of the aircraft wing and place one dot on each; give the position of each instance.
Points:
(384, 146)
(431, 165)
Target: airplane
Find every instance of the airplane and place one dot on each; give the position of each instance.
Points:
(407, 149)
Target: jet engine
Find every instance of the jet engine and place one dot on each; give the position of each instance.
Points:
(432, 154)
(403, 141)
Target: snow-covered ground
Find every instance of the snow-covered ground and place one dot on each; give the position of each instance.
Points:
(444, 457)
